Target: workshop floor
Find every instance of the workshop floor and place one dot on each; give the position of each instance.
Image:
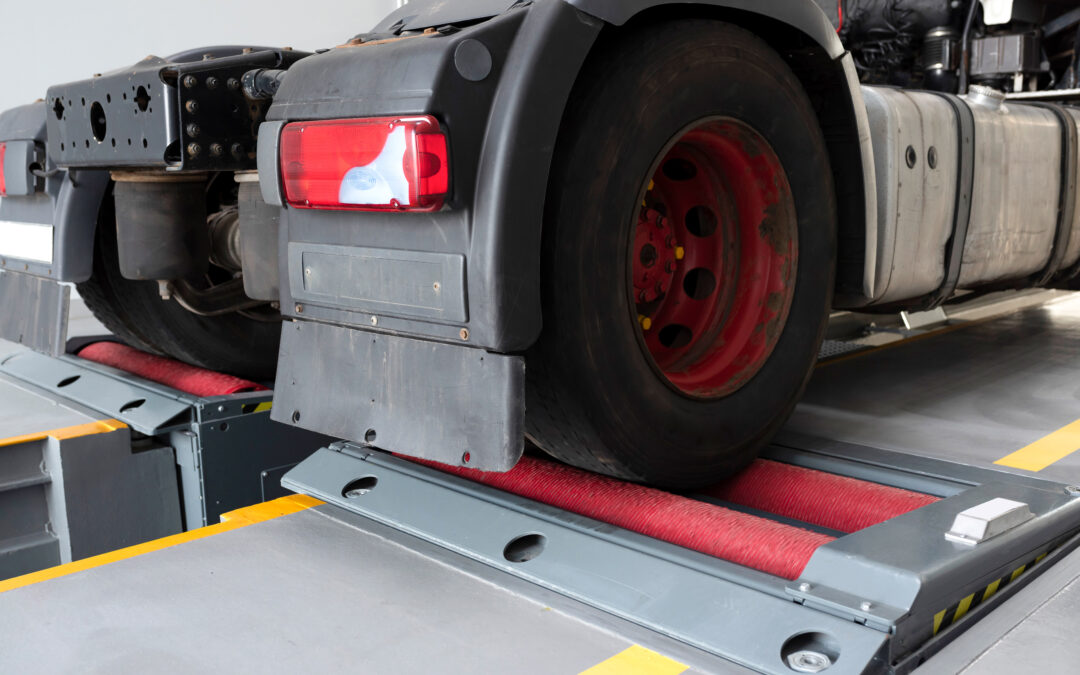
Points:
(1001, 392)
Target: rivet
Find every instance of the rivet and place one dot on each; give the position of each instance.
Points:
(464, 333)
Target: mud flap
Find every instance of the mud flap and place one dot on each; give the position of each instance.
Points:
(456, 405)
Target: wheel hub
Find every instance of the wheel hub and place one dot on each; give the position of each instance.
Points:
(654, 259)
(713, 258)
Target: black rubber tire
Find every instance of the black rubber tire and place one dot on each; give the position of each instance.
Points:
(135, 312)
(593, 397)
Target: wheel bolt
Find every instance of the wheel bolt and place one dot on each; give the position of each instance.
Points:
(646, 322)
(680, 253)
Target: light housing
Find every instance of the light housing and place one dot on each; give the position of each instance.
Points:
(371, 164)
(3, 187)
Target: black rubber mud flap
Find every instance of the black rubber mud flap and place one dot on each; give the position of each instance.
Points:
(456, 405)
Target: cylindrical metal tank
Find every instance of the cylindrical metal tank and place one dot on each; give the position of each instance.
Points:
(1014, 200)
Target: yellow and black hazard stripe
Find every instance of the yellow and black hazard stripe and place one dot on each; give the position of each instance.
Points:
(954, 613)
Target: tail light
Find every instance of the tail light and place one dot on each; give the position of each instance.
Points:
(376, 164)
(3, 188)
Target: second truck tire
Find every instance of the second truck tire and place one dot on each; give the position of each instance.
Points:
(688, 257)
(135, 312)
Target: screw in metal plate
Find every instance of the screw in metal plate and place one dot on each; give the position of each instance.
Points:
(221, 408)
(192, 106)
(866, 606)
(806, 661)
(190, 81)
(804, 587)
(436, 286)
(299, 308)
(374, 321)
(464, 333)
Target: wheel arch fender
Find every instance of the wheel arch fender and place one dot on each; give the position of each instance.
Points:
(551, 47)
(70, 201)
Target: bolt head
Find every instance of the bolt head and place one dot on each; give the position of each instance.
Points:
(212, 82)
(866, 606)
(807, 661)
(464, 333)
(190, 81)
(232, 83)
(193, 149)
(237, 150)
(299, 308)
(804, 587)
(192, 106)
(193, 129)
(216, 150)
(374, 321)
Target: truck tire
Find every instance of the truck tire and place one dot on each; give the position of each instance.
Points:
(688, 257)
(135, 312)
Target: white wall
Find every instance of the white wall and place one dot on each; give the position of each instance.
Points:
(48, 42)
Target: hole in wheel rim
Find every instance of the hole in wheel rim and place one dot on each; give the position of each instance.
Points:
(711, 306)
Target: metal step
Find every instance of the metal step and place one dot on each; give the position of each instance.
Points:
(882, 599)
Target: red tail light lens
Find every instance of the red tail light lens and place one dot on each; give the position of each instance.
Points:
(3, 188)
(376, 164)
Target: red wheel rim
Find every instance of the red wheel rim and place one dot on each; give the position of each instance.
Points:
(713, 258)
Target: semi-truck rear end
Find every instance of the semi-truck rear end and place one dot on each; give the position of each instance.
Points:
(615, 229)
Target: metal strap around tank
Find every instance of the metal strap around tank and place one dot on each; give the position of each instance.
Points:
(965, 181)
(1066, 198)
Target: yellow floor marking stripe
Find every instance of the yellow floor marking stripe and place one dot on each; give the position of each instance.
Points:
(938, 618)
(990, 590)
(963, 607)
(637, 660)
(229, 521)
(99, 427)
(1017, 572)
(1045, 451)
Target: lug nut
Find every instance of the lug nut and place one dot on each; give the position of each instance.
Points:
(299, 308)
(680, 253)
(646, 322)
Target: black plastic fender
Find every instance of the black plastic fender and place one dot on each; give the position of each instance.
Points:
(67, 201)
(502, 133)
